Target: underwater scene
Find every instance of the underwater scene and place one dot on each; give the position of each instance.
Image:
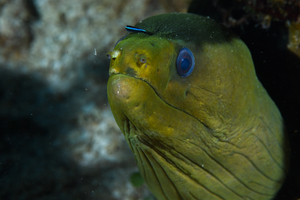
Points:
(149, 100)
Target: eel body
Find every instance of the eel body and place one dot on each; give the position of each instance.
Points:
(184, 92)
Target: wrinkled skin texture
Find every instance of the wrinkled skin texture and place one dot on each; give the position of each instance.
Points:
(215, 134)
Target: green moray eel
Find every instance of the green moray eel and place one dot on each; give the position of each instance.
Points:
(184, 92)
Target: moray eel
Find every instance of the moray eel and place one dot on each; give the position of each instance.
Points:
(184, 92)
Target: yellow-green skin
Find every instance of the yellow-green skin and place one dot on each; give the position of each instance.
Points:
(215, 134)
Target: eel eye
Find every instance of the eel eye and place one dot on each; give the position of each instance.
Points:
(185, 62)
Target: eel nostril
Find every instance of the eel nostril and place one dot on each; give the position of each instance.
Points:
(108, 56)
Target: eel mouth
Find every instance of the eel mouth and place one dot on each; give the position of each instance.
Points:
(159, 95)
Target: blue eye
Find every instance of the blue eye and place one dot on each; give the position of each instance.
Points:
(185, 62)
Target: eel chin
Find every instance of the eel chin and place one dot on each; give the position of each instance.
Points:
(133, 99)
